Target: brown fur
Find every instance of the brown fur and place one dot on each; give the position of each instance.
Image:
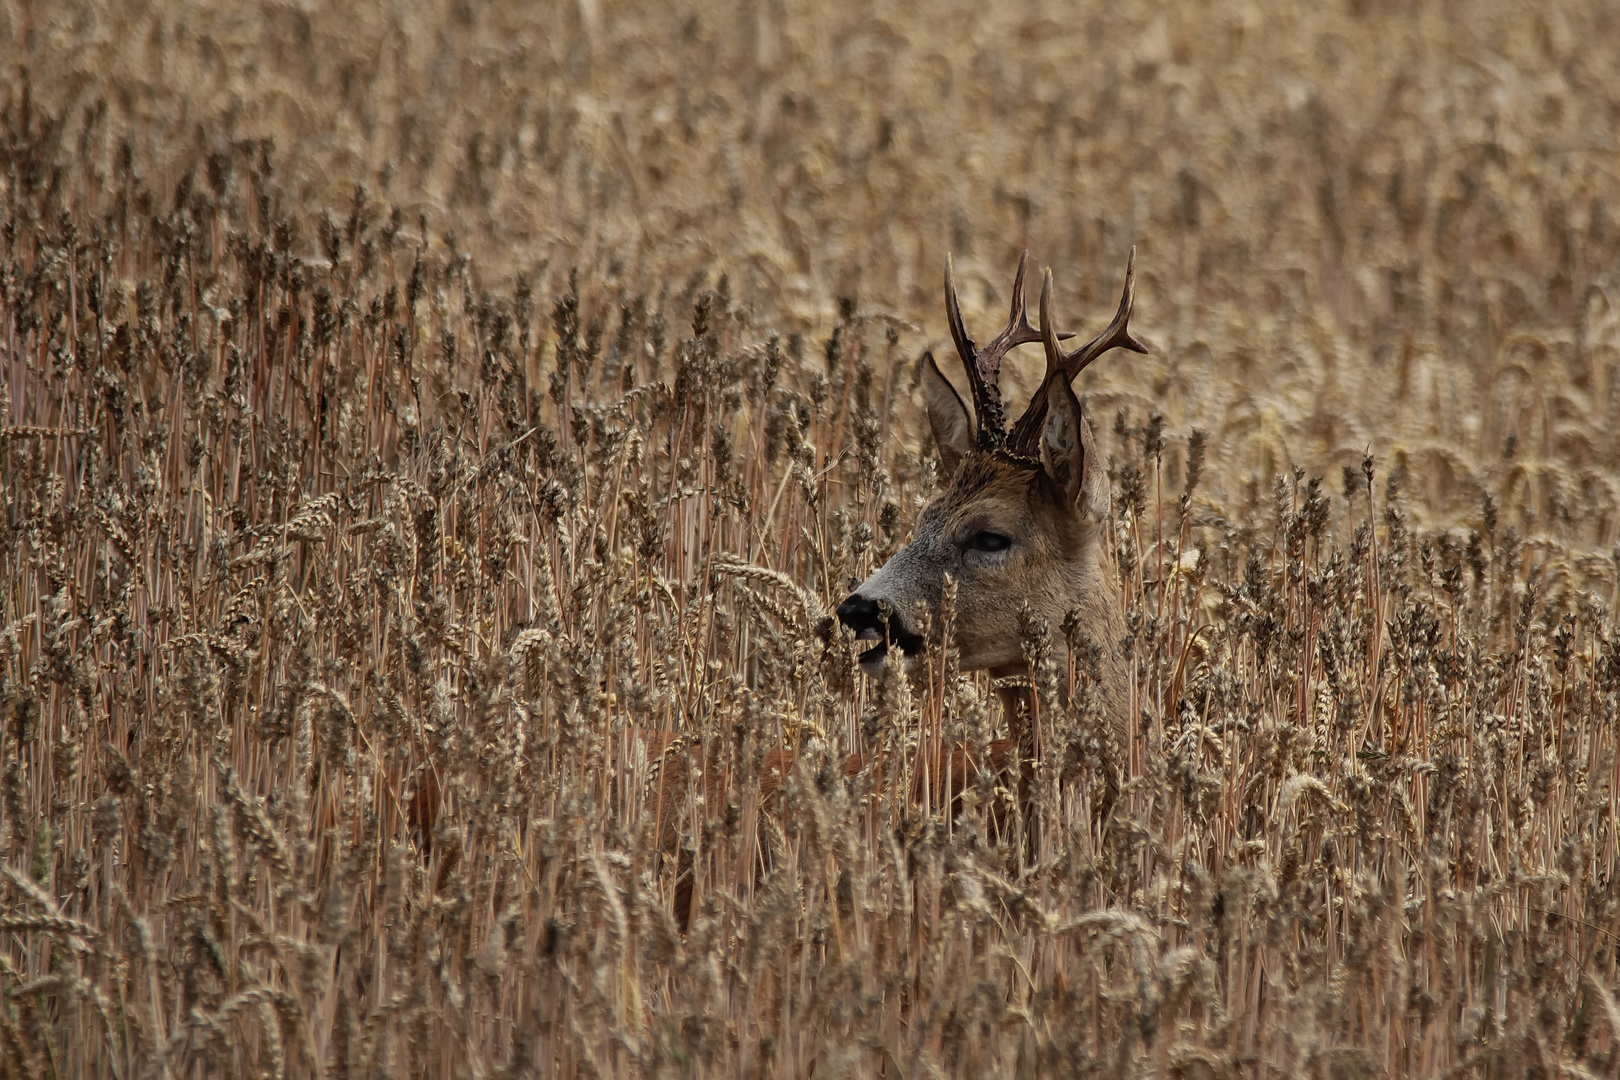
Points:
(1048, 516)
(1022, 526)
(1058, 563)
(1023, 523)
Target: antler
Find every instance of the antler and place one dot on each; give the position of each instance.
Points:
(1026, 436)
(984, 365)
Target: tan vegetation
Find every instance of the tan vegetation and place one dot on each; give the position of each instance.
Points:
(406, 410)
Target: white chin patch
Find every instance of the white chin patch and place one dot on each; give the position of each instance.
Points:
(874, 661)
(874, 665)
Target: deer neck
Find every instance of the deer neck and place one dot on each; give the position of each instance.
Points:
(1101, 611)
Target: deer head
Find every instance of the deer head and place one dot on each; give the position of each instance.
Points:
(1021, 519)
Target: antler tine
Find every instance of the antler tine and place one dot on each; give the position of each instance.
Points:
(953, 315)
(986, 394)
(1017, 331)
(984, 365)
(1061, 365)
(1049, 336)
(1117, 335)
(1026, 432)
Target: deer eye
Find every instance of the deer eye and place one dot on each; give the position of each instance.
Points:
(988, 541)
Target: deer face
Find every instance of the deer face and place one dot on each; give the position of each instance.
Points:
(1021, 520)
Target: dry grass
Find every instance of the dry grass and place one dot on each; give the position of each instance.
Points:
(348, 536)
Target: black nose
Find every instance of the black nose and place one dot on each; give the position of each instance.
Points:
(858, 613)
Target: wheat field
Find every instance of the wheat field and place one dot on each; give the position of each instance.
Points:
(405, 408)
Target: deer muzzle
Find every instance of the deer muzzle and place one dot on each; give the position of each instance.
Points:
(877, 623)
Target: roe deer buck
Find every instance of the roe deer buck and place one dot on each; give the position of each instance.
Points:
(1023, 518)
(1022, 522)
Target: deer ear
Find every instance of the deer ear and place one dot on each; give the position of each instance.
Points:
(947, 416)
(1063, 453)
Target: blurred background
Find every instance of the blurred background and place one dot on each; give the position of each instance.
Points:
(1361, 225)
